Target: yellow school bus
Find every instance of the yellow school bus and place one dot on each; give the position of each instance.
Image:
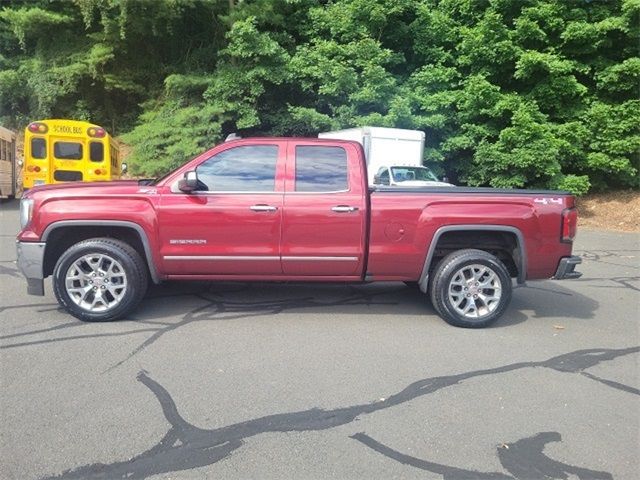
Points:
(57, 151)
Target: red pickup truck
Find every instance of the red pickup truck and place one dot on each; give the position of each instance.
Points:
(291, 209)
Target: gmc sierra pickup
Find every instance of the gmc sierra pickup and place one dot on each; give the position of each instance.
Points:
(291, 209)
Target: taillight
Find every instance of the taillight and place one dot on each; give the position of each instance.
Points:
(99, 172)
(96, 132)
(37, 127)
(569, 224)
(33, 168)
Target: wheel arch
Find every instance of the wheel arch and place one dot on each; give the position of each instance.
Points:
(519, 257)
(129, 232)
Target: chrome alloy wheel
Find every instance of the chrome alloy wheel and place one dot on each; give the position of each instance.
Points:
(475, 291)
(96, 282)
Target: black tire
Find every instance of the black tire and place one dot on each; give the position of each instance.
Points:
(129, 268)
(450, 273)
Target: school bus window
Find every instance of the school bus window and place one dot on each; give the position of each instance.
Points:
(96, 152)
(67, 150)
(38, 148)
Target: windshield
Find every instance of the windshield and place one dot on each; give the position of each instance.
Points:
(403, 174)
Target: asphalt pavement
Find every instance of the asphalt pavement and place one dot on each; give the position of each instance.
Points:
(297, 381)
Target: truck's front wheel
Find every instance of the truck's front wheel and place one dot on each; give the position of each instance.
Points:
(470, 288)
(100, 279)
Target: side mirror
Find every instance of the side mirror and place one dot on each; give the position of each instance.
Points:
(189, 183)
(445, 179)
(376, 179)
(124, 168)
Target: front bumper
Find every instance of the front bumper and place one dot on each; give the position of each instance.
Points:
(566, 268)
(31, 264)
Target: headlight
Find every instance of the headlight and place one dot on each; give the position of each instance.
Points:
(26, 211)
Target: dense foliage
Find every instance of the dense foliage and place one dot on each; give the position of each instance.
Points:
(510, 93)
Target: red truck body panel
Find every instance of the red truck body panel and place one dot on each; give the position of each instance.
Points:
(395, 255)
(290, 235)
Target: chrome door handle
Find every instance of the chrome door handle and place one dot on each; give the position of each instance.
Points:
(263, 208)
(344, 209)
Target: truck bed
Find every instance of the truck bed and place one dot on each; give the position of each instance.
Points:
(406, 224)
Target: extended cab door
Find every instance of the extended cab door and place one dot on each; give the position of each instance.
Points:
(323, 230)
(231, 224)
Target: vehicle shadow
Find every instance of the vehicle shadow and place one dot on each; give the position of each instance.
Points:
(537, 300)
(551, 299)
(173, 305)
(390, 298)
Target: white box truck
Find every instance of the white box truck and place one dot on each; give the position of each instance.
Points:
(388, 149)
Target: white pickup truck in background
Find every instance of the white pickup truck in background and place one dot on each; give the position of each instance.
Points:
(407, 176)
(396, 151)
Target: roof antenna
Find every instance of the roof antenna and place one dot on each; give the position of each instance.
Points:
(232, 136)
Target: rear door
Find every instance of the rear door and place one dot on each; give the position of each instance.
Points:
(324, 210)
(231, 225)
(68, 154)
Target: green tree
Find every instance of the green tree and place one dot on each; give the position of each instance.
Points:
(510, 93)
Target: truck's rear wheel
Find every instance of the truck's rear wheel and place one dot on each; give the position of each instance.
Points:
(470, 288)
(100, 279)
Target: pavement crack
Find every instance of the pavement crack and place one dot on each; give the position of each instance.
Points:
(201, 447)
(523, 459)
(612, 384)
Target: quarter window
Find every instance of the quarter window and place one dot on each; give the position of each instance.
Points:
(321, 169)
(250, 168)
(384, 177)
(38, 148)
(96, 152)
(67, 150)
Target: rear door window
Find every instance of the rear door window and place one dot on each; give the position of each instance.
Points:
(38, 148)
(67, 150)
(321, 169)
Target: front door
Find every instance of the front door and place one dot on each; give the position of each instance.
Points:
(324, 211)
(231, 224)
